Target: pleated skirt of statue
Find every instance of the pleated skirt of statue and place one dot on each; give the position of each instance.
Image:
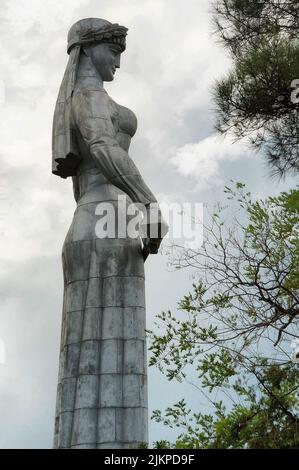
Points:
(102, 386)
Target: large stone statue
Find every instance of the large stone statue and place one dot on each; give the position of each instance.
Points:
(102, 386)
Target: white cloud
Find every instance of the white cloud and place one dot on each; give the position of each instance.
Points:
(202, 161)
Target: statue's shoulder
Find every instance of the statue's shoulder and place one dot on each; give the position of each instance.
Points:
(92, 97)
(89, 90)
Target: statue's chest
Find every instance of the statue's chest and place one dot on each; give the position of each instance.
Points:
(124, 120)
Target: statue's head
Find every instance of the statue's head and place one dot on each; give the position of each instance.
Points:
(102, 43)
(100, 40)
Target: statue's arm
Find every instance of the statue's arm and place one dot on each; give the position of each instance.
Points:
(92, 117)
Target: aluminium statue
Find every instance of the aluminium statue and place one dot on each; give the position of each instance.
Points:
(102, 385)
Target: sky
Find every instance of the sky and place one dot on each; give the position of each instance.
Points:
(166, 77)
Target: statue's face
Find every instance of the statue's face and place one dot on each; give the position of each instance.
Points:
(106, 59)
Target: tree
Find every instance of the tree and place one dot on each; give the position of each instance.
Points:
(259, 423)
(257, 100)
(236, 327)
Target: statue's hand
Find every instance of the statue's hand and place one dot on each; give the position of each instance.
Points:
(153, 229)
(154, 226)
(150, 246)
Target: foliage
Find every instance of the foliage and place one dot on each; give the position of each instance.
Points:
(263, 421)
(256, 99)
(234, 330)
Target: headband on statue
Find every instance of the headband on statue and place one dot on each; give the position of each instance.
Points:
(112, 33)
(65, 154)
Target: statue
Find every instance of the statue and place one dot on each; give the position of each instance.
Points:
(102, 384)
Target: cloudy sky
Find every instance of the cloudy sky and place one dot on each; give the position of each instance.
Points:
(166, 76)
